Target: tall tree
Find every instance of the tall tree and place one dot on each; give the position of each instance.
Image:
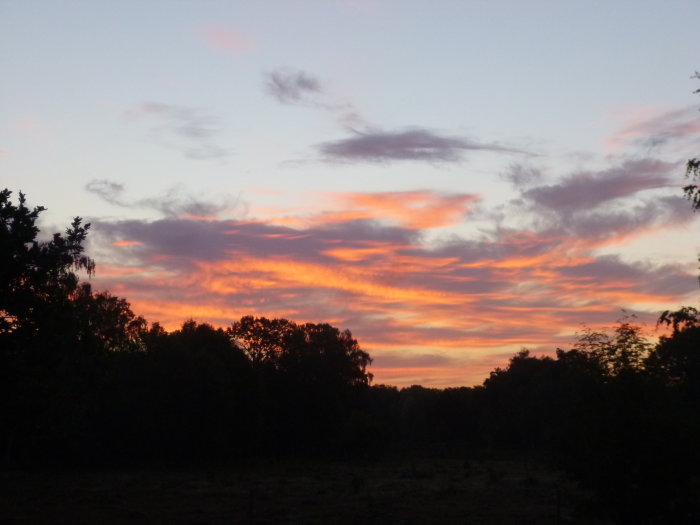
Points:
(36, 276)
(692, 191)
(54, 335)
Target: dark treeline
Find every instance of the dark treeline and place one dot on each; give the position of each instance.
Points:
(87, 382)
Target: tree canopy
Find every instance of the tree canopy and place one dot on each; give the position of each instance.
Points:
(692, 171)
(35, 276)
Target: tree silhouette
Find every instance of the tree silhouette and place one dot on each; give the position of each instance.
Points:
(41, 371)
(311, 378)
(676, 358)
(309, 352)
(262, 339)
(692, 191)
(36, 277)
(620, 353)
(55, 336)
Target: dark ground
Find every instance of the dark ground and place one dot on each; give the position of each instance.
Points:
(401, 491)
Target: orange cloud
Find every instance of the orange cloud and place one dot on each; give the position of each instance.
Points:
(126, 243)
(469, 303)
(416, 210)
(281, 273)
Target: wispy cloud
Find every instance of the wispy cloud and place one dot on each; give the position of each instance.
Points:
(183, 128)
(659, 129)
(175, 202)
(294, 87)
(413, 144)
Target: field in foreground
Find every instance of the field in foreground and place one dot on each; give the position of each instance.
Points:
(388, 491)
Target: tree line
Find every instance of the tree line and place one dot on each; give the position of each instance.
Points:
(85, 381)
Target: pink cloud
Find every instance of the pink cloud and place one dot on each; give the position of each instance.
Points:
(654, 126)
(226, 40)
(34, 128)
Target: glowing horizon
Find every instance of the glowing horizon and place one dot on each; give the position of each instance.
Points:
(409, 298)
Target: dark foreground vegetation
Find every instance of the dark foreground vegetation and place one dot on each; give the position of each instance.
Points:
(437, 490)
(273, 421)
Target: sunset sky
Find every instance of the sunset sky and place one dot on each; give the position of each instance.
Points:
(450, 180)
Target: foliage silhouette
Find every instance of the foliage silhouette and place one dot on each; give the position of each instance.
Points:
(692, 191)
(83, 380)
(53, 332)
(36, 277)
(311, 352)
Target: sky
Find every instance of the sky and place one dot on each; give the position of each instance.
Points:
(452, 181)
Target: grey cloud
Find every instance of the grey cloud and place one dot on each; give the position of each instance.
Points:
(216, 240)
(185, 129)
(291, 87)
(107, 190)
(501, 244)
(186, 240)
(520, 175)
(644, 277)
(174, 202)
(298, 88)
(541, 230)
(415, 144)
(661, 212)
(587, 190)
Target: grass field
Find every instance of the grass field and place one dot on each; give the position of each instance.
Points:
(412, 491)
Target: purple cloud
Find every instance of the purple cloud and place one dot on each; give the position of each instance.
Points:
(218, 240)
(414, 144)
(468, 268)
(647, 278)
(587, 190)
(661, 212)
